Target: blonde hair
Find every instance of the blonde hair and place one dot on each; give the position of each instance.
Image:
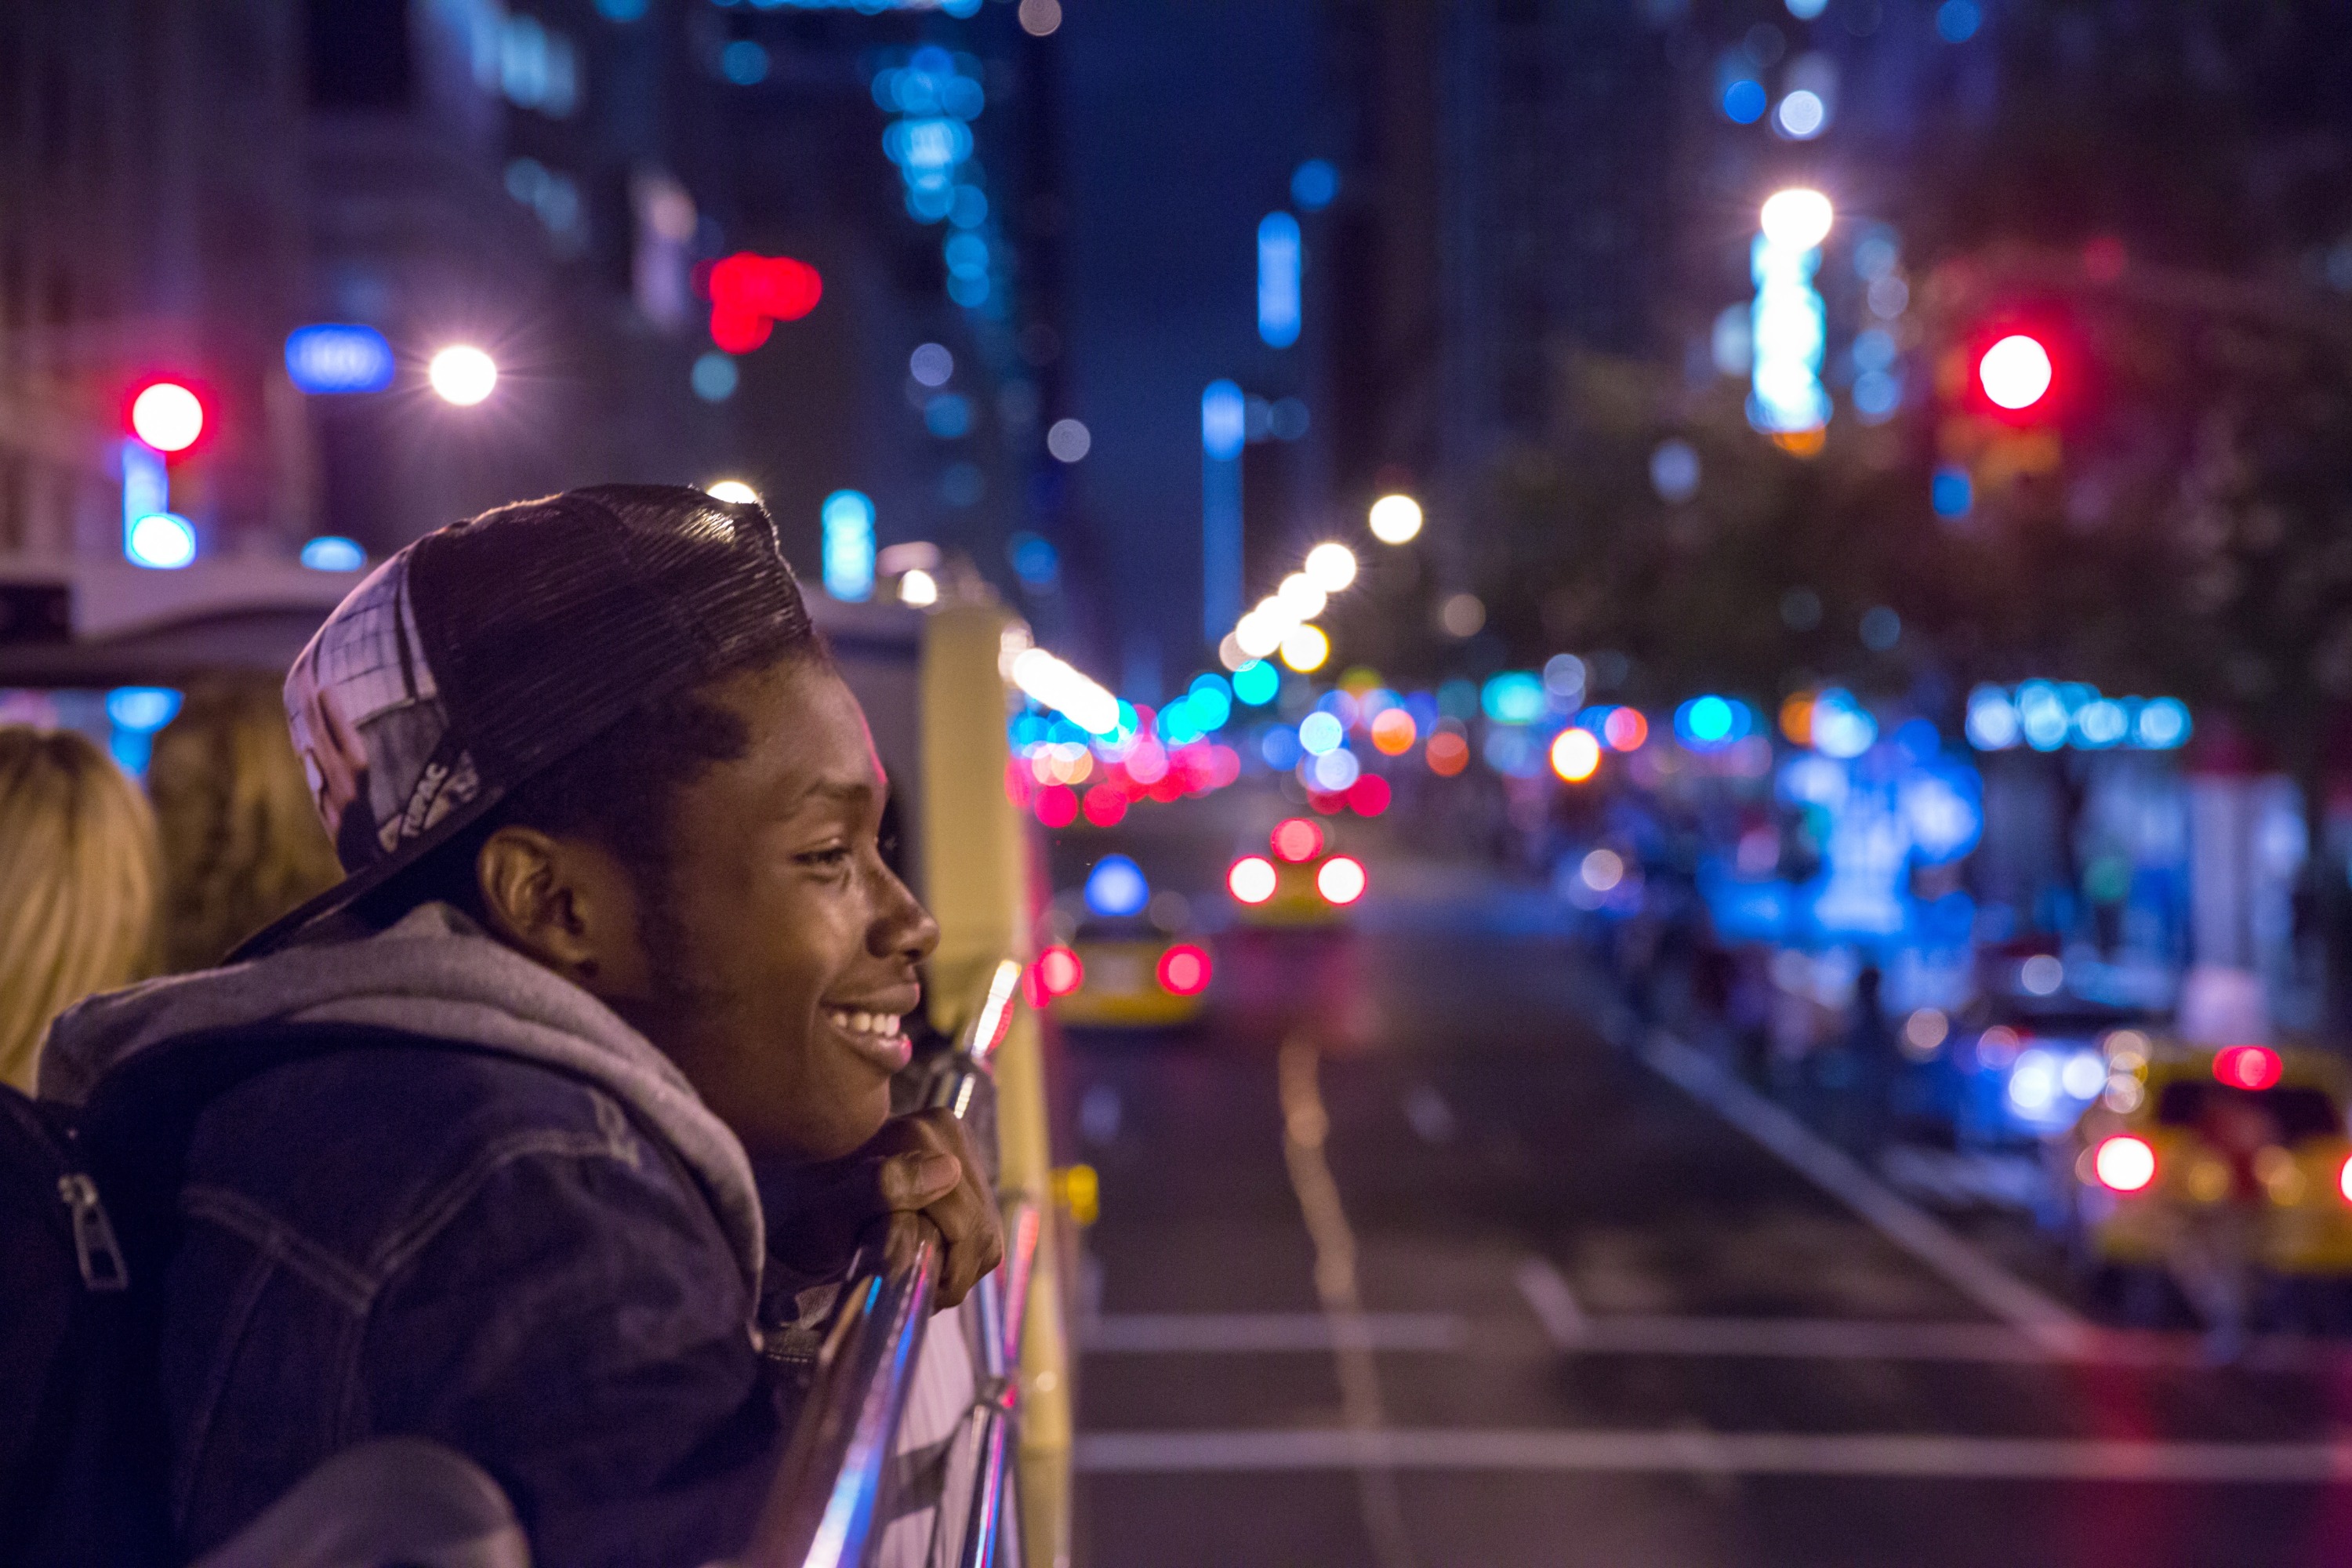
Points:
(77, 882)
(242, 842)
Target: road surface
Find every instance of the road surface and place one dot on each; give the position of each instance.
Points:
(1403, 1263)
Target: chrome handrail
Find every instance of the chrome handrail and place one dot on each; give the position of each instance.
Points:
(1003, 1303)
(822, 1510)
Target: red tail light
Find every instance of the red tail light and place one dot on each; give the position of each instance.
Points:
(1184, 970)
(1297, 839)
(2247, 1067)
(1252, 879)
(1059, 972)
(1341, 879)
(2124, 1163)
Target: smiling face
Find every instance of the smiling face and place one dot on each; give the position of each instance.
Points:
(783, 955)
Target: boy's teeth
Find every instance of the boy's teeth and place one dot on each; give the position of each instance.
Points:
(883, 1024)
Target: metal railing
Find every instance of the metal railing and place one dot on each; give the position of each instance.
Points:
(824, 1507)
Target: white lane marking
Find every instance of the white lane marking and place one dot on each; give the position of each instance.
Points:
(1987, 1284)
(1244, 1333)
(1797, 1339)
(1306, 1124)
(1902, 1454)
(1553, 1303)
(1815, 1339)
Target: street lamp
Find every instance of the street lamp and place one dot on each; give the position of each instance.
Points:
(734, 490)
(463, 375)
(1797, 218)
(1331, 567)
(1395, 519)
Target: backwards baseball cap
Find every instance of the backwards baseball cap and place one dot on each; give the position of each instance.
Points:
(492, 647)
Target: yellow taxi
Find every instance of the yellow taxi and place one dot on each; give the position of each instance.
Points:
(1301, 881)
(1117, 956)
(1124, 981)
(2179, 1132)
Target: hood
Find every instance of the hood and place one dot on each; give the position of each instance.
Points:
(435, 973)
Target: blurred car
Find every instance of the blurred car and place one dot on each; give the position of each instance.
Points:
(2015, 1070)
(2177, 1132)
(1300, 882)
(1122, 956)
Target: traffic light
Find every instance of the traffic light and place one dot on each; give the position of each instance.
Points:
(167, 416)
(2015, 372)
(2020, 369)
(163, 418)
(2012, 382)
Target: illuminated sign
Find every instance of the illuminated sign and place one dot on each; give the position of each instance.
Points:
(332, 358)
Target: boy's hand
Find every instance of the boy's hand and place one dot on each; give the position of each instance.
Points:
(924, 1163)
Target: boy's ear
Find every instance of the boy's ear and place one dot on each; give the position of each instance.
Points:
(565, 903)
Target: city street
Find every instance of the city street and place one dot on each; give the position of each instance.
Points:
(1455, 1280)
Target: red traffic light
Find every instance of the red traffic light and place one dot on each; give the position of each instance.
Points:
(167, 417)
(749, 294)
(2015, 372)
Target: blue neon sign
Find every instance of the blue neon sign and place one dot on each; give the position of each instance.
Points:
(338, 358)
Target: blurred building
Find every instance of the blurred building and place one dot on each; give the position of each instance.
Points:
(185, 188)
(151, 224)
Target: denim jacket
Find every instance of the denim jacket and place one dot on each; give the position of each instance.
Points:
(498, 1219)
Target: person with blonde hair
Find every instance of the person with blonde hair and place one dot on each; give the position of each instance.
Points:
(78, 873)
(242, 844)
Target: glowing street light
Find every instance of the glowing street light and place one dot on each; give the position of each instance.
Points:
(1575, 755)
(1331, 567)
(1395, 519)
(1300, 598)
(1797, 218)
(732, 490)
(463, 375)
(1304, 648)
(1054, 684)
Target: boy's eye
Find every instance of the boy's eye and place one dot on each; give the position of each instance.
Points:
(833, 855)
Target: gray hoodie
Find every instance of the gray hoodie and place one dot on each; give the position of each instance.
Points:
(435, 973)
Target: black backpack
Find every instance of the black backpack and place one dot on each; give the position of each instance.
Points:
(88, 1221)
(80, 1451)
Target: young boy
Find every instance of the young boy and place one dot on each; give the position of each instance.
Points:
(616, 925)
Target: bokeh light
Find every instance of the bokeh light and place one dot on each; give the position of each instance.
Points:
(1304, 648)
(463, 375)
(1393, 732)
(1331, 566)
(1297, 839)
(1395, 519)
(2015, 372)
(1575, 755)
(1253, 879)
(1797, 219)
(167, 417)
(1341, 879)
(1183, 971)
